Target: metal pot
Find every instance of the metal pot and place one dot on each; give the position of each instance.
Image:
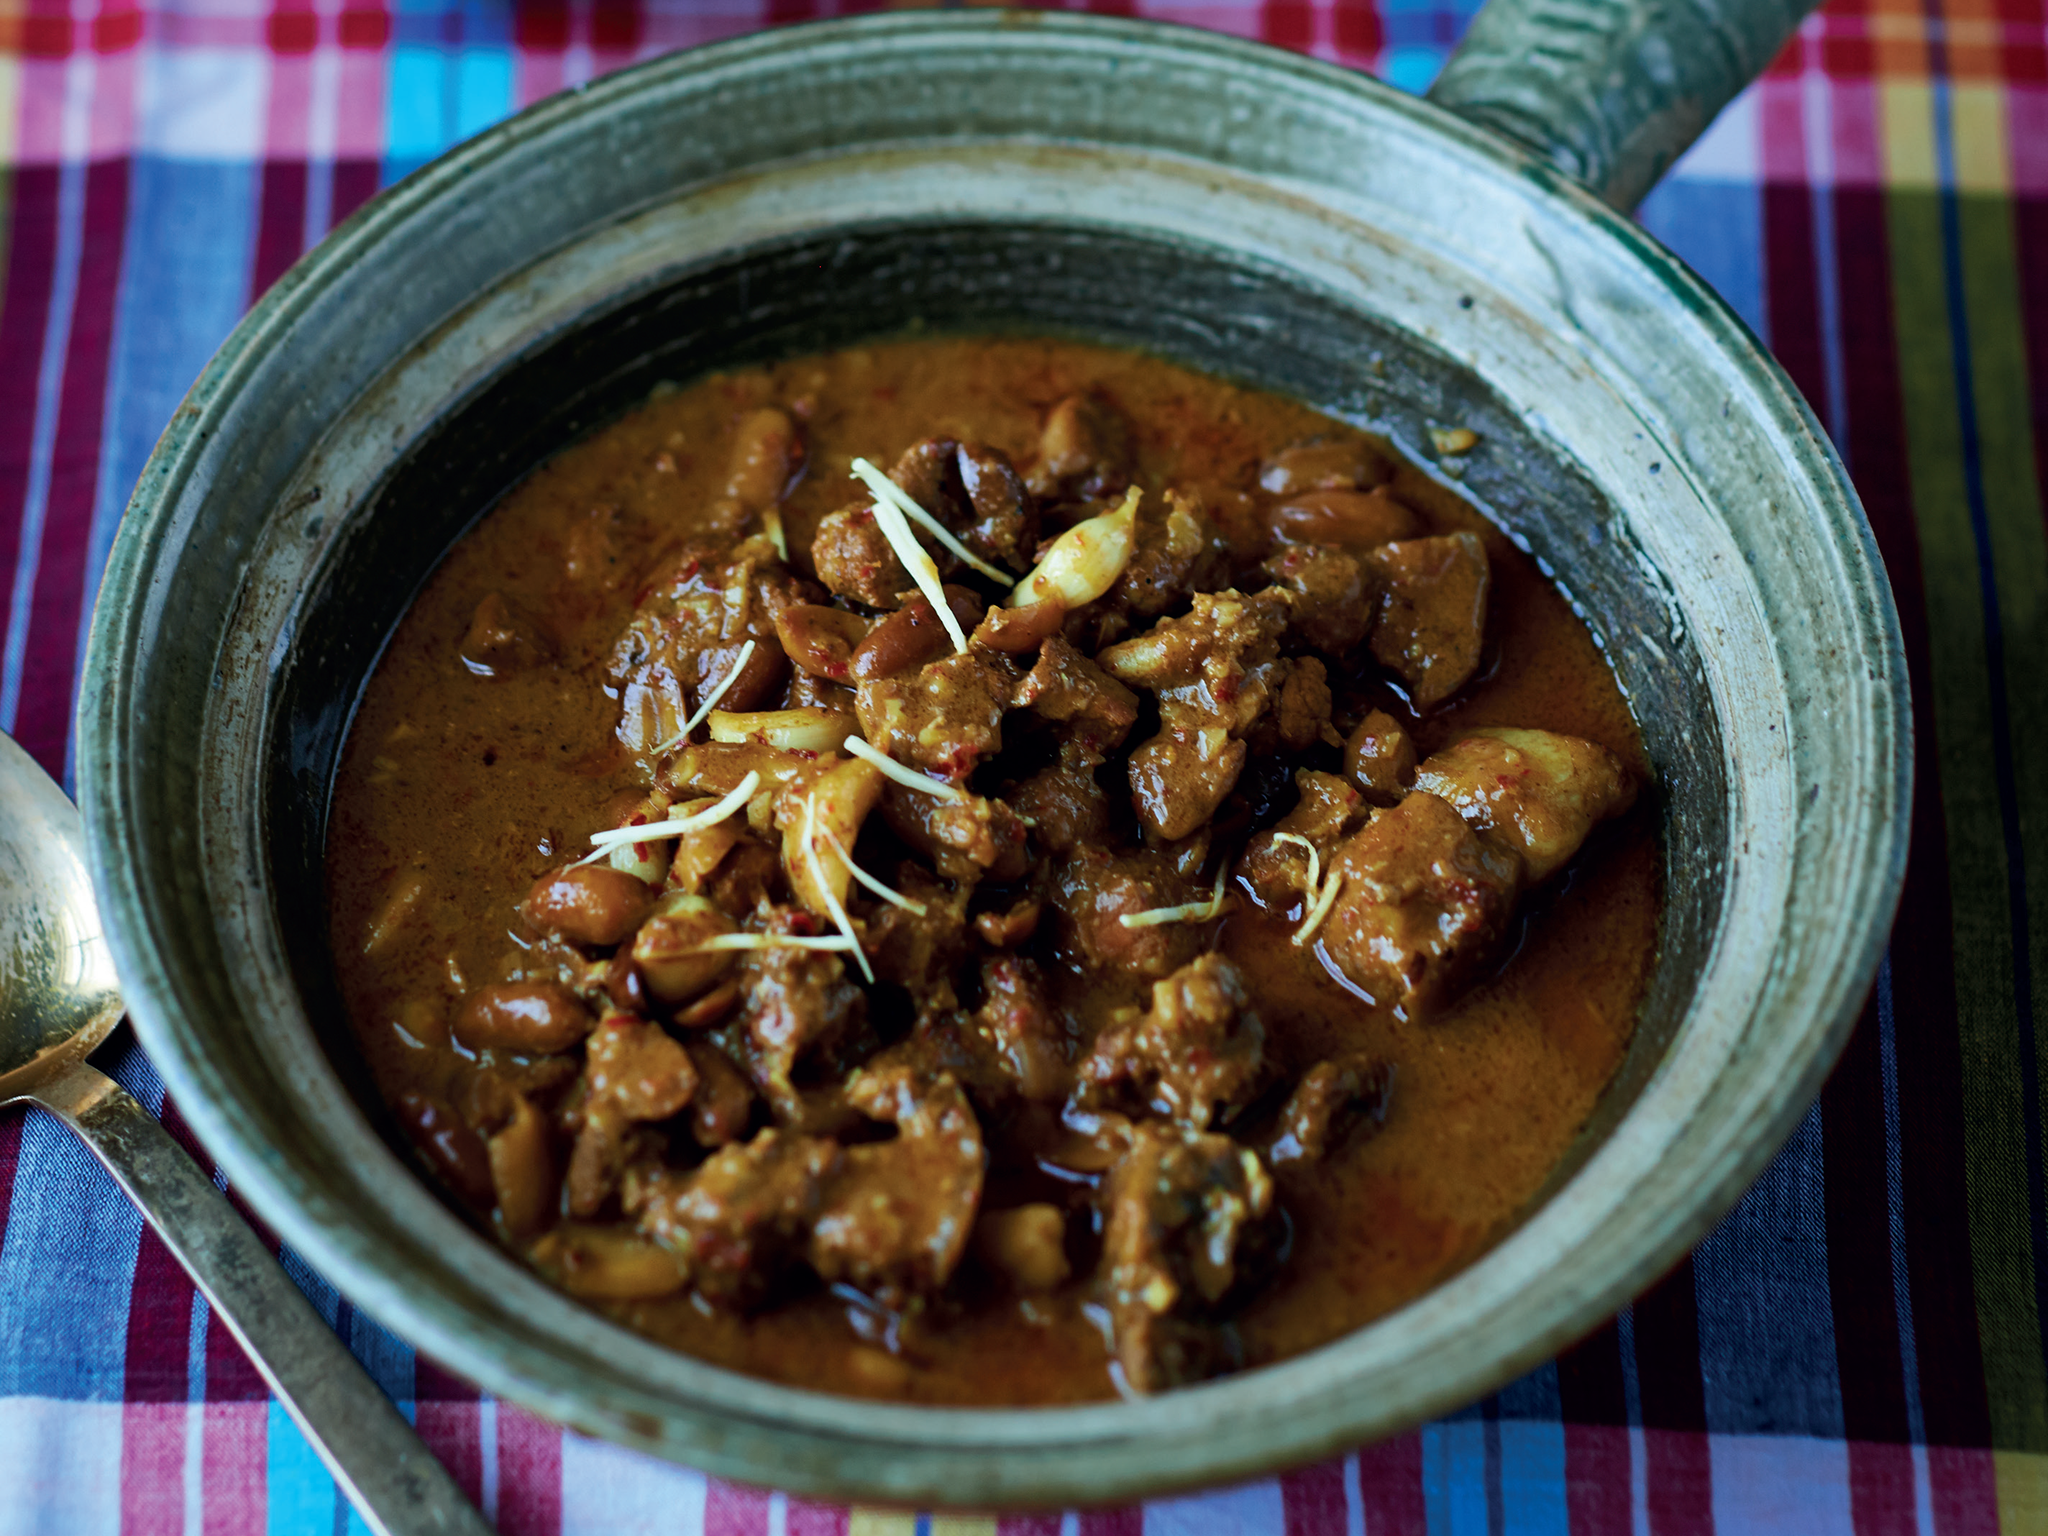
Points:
(1233, 207)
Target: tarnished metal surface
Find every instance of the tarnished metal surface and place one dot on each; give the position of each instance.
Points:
(58, 994)
(1228, 205)
(1611, 92)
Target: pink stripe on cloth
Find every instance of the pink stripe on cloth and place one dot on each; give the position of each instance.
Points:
(1881, 1494)
(802, 1517)
(1028, 1525)
(234, 1468)
(1390, 1487)
(2026, 109)
(1312, 1500)
(1781, 136)
(42, 722)
(41, 128)
(1964, 1486)
(1596, 1480)
(452, 1432)
(730, 1510)
(1859, 159)
(529, 1474)
(153, 1441)
(359, 107)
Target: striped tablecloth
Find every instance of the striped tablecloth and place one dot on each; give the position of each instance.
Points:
(1860, 1347)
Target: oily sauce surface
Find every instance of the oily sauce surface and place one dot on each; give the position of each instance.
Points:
(456, 791)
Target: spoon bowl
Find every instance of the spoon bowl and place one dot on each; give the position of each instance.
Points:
(59, 997)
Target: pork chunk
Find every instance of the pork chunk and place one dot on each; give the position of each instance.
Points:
(739, 1219)
(944, 717)
(1333, 1101)
(1431, 619)
(897, 1214)
(1424, 900)
(1093, 892)
(1188, 1215)
(1200, 1049)
(1538, 792)
(1333, 612)
(1094, 710)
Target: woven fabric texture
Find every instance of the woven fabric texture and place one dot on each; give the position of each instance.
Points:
(1859, 1347)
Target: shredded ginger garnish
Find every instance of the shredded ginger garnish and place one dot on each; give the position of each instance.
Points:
(882, 485)
(1186, 912)
(834, 941)
(832, 903)
(1321, 909)
(1315, 860)
(711, 699)
(889, 518)
(909, 778)
(618, 837)
(888, 893)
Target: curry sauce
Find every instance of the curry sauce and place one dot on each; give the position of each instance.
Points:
(1223, 665)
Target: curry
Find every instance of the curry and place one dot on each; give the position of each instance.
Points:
(990, 871)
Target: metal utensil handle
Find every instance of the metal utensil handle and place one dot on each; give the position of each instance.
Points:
(1611, 91)
(392, 1479)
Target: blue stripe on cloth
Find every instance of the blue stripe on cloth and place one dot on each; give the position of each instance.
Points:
(196, 222)
(1767, 1333)
(1532, 1492)
(69, 1254)
(1454, 1480)
(302, 1498)
(1256, 1509)
(1717, 228)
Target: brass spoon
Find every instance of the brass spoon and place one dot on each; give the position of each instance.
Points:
(59, 999)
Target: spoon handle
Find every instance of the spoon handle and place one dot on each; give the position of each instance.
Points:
(392, 1479)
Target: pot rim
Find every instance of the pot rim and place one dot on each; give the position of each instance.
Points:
(133, 594)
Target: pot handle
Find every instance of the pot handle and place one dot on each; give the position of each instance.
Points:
(1611, 91)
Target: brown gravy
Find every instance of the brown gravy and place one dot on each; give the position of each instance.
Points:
(456, 791)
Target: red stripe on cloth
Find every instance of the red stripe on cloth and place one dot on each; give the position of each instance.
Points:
(529, 1474)
(1390, 1487)
(1597, 1469)
(153, 1468)
(1678, 1471)
(452, 1432)
(1092, 1522)
(1312, 1500)
(355, 183)
(2030, 240)
(1940, 1283)
(730, 1510)
(803, 1518)
(432, 1383)
(1593, 1398)
(24, 309)
(234, 1462)
(1880, 1484)
(1358, 33)
(1288, 24)
(43, 720)
(10, 1157)
(158, 1368)
(1791, 292)
(1965, 1487)
(280, 222)
(230, 1378)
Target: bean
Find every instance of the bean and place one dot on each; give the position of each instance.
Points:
(523, 1173)
(1325, 464)
(1358, 519)
(820, 640)
(913, 635)
(1017, 630)
(759, 680)
(527, 1018)
(669, 948)
(594, 905)
(454, 1151)
(1380, 759)
(767, 452)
